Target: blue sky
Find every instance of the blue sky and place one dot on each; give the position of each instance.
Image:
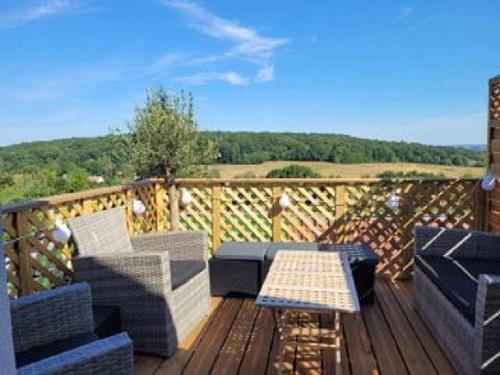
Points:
(387, 69)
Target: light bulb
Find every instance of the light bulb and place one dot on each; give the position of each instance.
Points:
(186, 197)
(138, 207)
(488, 182)
(284, 201)
(393, 201)
(61, 232)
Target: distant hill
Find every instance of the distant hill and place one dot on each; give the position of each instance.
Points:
(474, 147)
(95, 154)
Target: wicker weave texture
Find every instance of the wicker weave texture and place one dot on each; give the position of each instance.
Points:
(310, 280)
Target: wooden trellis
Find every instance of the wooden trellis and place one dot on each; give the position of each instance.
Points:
(494, 151)
(325, 210)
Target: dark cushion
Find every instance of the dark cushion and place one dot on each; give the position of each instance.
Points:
(182, 271)
(276, 246)
(457, 278)
(232, 250)
(38, 353)
(355, 253)
(107, 320)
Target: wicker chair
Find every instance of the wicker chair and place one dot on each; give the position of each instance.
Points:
(160, 281)
(457, 292)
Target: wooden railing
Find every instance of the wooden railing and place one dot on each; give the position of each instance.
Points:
(326, 210)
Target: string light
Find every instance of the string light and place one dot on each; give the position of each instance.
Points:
(186, 197)
(284, 201)
(488, 182)
(138, 207)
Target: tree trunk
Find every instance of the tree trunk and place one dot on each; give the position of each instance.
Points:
(172, 200)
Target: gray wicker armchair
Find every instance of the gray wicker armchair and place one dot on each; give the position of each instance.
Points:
(457, 292)
(160, 281)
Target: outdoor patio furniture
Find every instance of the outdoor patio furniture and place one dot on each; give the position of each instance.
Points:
(235, 268)
(457, 292)
(107, 320)
(241, 267)
(308, 282)
(159, 281)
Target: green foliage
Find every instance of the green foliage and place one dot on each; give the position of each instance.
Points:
(410, 174)
(293, 171)
(163, 139)
(246, 147)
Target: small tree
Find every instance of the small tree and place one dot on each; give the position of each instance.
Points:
(293, 171)
(164, 141)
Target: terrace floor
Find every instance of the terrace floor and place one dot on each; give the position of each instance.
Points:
(388, 337)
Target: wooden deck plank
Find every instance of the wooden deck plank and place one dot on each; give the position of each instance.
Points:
(259, 344)
(202, 360)
(384, 346)
(234, 347)
(437, 357)
(361, 357)
(175, 364)
(409, 344)
(388, 337)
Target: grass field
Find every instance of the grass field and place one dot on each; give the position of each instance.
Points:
(345, 170)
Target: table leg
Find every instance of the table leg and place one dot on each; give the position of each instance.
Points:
(338, 343)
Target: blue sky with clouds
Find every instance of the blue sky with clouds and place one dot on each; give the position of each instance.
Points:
(399, 70)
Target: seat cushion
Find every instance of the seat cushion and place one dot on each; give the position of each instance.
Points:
(233, 250)
(40, 352)
(457, 279)
(276, 246)
(182, 271)
(356, 253)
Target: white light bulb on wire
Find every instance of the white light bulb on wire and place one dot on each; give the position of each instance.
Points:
(186, 197)
(488, 182)
(138, 207)
(284, 201)
(61, 232)
(393, 201)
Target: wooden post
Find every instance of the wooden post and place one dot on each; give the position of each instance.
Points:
(23, 253)
(174, 207)
(493, 215)
(159, 206)
(277, 216)
(340, 210)
(129, 200)
(480, 207)
(216, 216)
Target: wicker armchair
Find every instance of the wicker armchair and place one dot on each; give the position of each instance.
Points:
(160, 281)
(457, 292)
(53, 333)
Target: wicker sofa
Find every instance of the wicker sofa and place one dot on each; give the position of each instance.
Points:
(457, 292)
(159, 281)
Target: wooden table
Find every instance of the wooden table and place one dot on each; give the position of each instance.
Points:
(309, 282)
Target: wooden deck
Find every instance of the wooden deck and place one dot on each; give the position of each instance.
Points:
(388, 337)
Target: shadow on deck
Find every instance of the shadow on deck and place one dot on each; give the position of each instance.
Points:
(238, 338)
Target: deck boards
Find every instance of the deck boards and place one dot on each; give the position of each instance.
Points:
(388, 337)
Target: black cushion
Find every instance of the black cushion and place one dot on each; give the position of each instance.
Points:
(457, 279)
(355, 253)
(107, 320)
(233, 250)
(41, 352)
(276, 246)
(182, 271)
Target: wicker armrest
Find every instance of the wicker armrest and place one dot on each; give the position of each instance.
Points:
(487, 325)
(51, 315)
(190, 245)
(120, 276)
(112, 355)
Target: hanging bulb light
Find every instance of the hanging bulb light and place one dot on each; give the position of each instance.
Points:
(138, 207)
(284, 201)
(186, 197)
(61, 232)
(488, 182)
(393, 201)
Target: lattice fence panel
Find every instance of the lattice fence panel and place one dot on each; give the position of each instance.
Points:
(495, 100)
(246, 213)
(310, 215)
(198, 214)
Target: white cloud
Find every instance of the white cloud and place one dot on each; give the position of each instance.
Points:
(266, 73)
(204, 78)
(404, 12)
(38, 10)
(246, 43)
